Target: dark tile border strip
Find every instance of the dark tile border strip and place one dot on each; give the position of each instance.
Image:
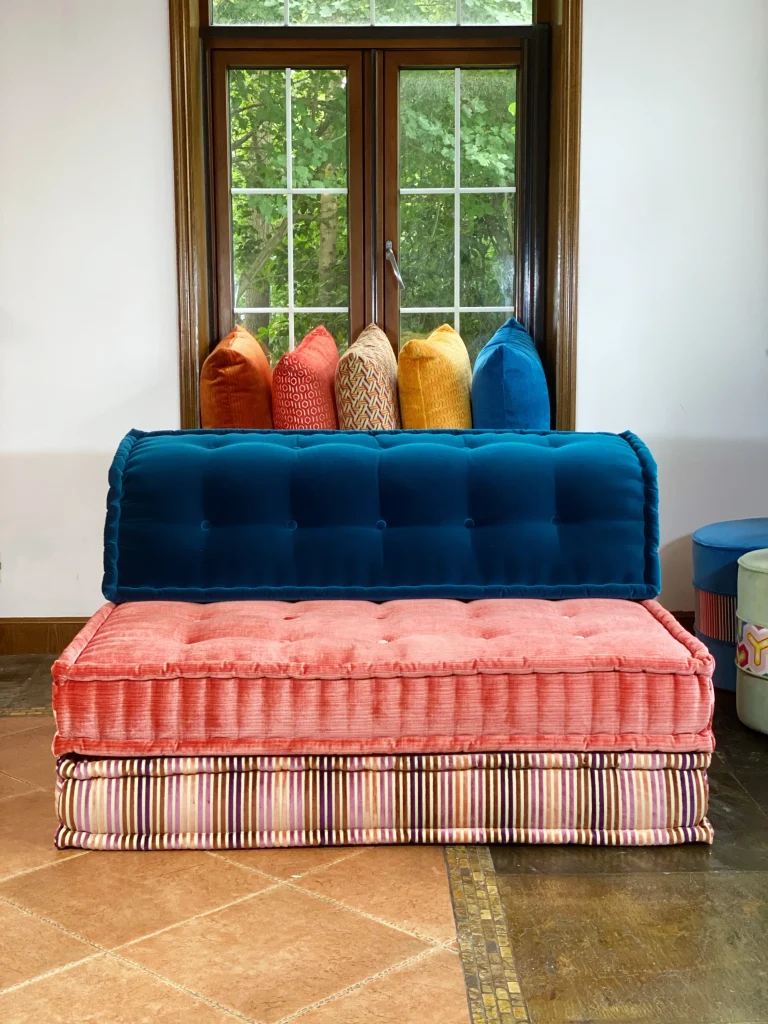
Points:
(493, 988)
(26, 712)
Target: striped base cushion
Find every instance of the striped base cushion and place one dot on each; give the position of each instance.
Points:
(624, 799)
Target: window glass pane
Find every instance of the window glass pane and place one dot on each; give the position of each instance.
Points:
(319, 128)
(488, 112)
(358, 12)
(247, 12)
(260, 250)
(415, 12)
(330, 12)
(271, 329)
(496, 12)
(480, 191)
(426, 250)
(427, 132)
(336, 323)
(421, 325)
(487, 269)
(320, 253)
(477, 329)
(289, 201)
(257, 128)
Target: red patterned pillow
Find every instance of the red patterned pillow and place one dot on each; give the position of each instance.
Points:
(302, 385)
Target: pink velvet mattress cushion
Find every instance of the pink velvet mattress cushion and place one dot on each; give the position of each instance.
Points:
(355, 677)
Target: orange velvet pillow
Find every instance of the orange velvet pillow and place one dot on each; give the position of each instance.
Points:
(302, 385)
(236, 384)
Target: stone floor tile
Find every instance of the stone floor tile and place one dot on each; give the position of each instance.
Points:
(289, 862)
(113, 898)
(12, 724)
(27, 827)
(27, 756)
(10, 787)
(652, 947)
(30, 947)
(430, 991)
(105, 991)
(274, 954)
(404, 885)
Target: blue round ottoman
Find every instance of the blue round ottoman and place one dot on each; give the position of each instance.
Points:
(716, 552)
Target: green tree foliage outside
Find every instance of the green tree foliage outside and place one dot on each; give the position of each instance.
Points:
(386, 12)
(258, 135)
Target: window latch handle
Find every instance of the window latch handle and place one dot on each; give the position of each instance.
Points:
(392, 260)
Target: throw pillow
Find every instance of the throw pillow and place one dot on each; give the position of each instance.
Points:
(509, 388)
(236, 384)
(302, 385)
(366, 384)
(434, 377)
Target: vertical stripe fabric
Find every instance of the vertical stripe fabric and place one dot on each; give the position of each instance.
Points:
(715, 615)
(164, 803)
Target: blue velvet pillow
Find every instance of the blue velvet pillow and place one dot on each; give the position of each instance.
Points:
(509, 388)
(376, 515)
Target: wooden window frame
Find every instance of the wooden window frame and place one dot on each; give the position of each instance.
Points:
(221, 60)
(193, 43)
(505, 54)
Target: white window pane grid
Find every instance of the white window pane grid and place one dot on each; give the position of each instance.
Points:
(457, 191)
(289, 191)
(371, 19)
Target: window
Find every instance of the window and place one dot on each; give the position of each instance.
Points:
(372, 12)
(396, 176)
(290, 212)
(451, 215)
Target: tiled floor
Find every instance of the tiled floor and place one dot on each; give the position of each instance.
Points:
(313, 935)
(343, 936)
(656, 935)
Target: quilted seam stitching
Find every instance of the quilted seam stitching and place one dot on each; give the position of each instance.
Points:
(110, 583)
(648, 469)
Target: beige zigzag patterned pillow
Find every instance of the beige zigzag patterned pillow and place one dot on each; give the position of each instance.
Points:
(366, 384)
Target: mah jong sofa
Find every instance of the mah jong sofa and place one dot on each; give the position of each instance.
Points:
(333, 637)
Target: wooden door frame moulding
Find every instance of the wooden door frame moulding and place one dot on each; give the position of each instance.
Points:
(189, 150)
(189, 24)
(565, 19)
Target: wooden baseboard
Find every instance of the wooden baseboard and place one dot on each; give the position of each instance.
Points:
(38, 636)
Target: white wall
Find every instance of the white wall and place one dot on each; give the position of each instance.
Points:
(673, 260)
(88, 329)
(673, 304)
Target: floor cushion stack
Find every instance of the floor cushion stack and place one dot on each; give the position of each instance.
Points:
(388, 662)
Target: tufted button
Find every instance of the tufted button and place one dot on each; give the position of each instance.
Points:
(555, 520)
(381, 525)
(291, 524)
(205, 525)
(469, 523)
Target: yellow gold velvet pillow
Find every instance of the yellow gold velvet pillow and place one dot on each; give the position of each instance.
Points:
(434, 377)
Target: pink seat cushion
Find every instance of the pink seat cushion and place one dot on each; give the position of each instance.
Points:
(352, 677)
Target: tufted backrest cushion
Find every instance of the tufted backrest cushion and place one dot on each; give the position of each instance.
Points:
(229, 515)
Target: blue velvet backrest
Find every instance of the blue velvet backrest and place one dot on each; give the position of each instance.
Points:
(205, 515)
